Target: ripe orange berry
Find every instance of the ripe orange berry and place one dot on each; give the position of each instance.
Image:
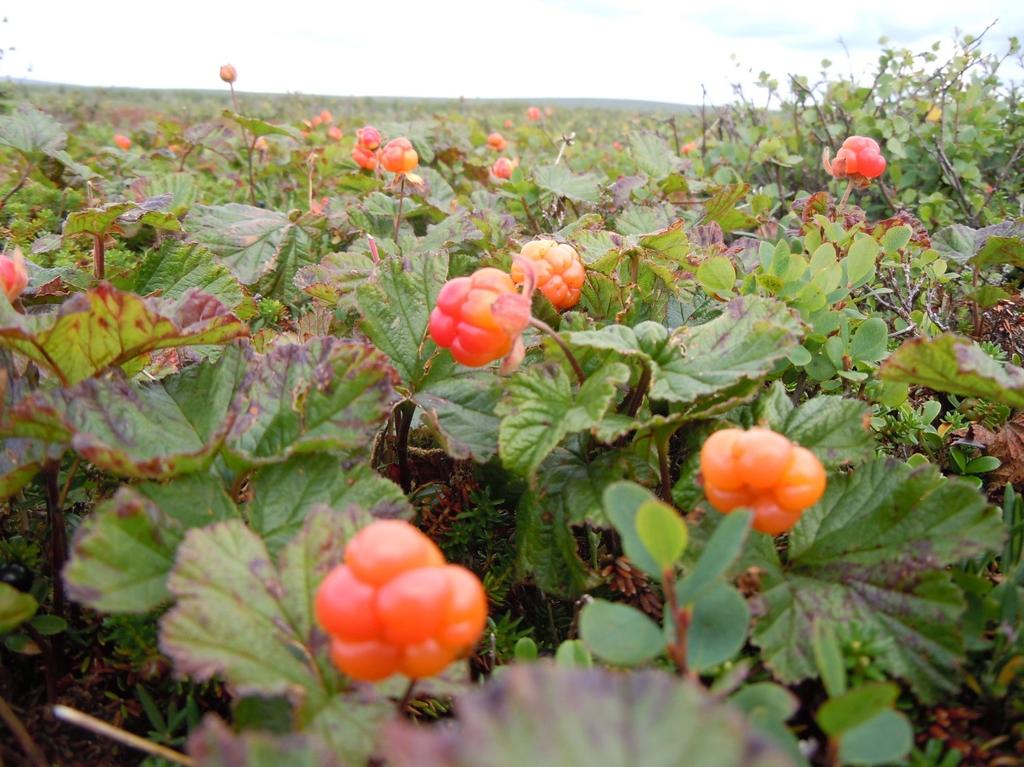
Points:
(399, 156)
(13, 274)
(387, 548)
(365, 158)
(426, 659)
(558, 270)
(334, 133)
(464, 320)
(503, 167)
(396, 607)
(412, 605)
(859, 159)
(368, 137)
(466, 612)
(497, 142)
(688, 147)
(803, 481)
(366, 661)
(122, 141)
(761, 457)
(761, 470)
(346, 607)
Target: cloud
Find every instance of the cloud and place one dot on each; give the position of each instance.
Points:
(644, 49)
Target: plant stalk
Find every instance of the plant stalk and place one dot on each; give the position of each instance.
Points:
(99, 727)
(99, 253)
(543, 327)
(845, 198)
(398, 214)
(403, 422)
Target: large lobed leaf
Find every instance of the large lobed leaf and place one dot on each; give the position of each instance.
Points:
(262, 248)
(153, 430)
(540, 409)
(327, 394)
(106, 327)
(541, 714)
(871, 553)
(956, 365)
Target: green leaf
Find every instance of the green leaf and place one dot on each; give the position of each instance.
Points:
(870, 341)
(540, 714)
(335, 279)
(262, 248)
(620, 634)
(774, 700)
(173, 269)
(956, 365)
(327, 394)
(718, 627)
(256, 127)
(622, 501)
(956, 242)
(717, 275)
(833, 428)
(95, 222)
(872, 552)
(540, 409)
(850, 709)
(662, 532)
(561, 181)
(105, 327)
(153, 430)
(459, 406)
(721, 360)
(572, 653)
(396, 306)
(284, 495)
(238, 615)
(896, 237)
(721, 208)
(15, 608)
(998, 251)
(719, 554)
(214, 744)
(31, 132)
(828, 657)
(859, 263)
(884, 739)
(652, 154)
(123, 551)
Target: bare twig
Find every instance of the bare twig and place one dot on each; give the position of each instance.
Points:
(32, 751)
(99, 727)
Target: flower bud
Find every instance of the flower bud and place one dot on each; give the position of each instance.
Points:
(13, 274)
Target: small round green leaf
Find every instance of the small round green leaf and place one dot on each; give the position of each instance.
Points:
(620, 634)
(662, 532)
(884, 739)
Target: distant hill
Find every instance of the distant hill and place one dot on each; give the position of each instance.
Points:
(135, 94)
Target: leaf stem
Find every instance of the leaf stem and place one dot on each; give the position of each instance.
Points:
(407, 697)
(29, 167)
(403, 422)
(58, 534)
(99, 727)
(664, 468)
(398, 214)
(99, 253)
(845, 198)
(543, 327)
(680, 617)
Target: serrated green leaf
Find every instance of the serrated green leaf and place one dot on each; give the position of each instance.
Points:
(105, 327)
(998, 251)
(872, 552)
(957, 365)
(396, 306)
(652, 154)
(717, 275)
(540, 409)
(173, 269)
(541, 714)
(563, 182)
(459, 405)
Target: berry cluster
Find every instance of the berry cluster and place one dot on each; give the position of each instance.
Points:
(480, 317)
(858, 159)
(394, 606)
(557, 269)
(763, 471)
(366, 152)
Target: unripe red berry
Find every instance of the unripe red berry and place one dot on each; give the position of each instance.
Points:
(122, 142)
(13, 274)
(368, 137)
(503, 167)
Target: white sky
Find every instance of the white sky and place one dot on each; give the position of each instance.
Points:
(644, 49)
